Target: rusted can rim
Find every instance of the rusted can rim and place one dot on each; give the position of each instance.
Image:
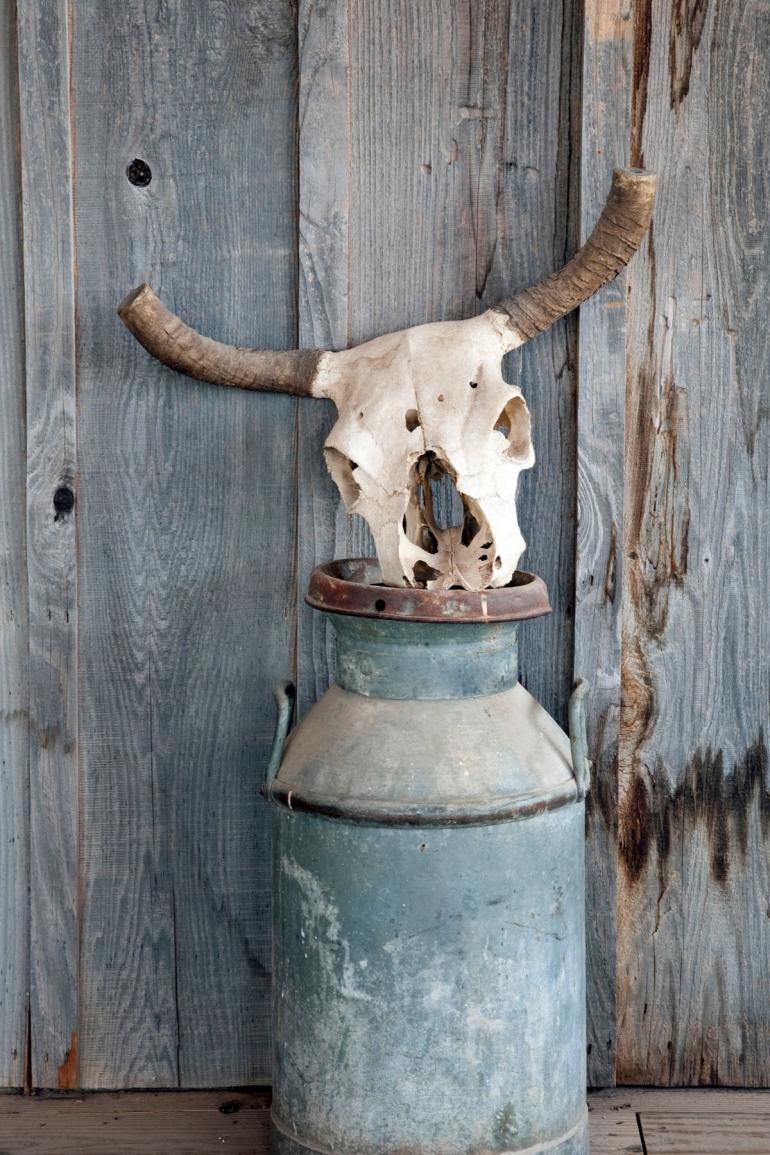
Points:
(354, 586)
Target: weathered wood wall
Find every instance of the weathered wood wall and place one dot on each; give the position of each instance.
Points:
(320, 173)
(694, 957)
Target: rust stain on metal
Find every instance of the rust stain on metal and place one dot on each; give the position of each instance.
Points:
(354, 586)
(688, 18)
(68, 1071)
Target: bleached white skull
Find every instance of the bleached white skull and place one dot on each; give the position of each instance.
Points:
(415, 406)
(422, 403)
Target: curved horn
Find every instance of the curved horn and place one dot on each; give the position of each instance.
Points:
(169, 340)
(610, 247)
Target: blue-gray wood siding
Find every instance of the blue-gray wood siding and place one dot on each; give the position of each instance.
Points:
(321, 172)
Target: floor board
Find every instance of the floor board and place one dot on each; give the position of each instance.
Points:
(700, 1122)
(136, 1123)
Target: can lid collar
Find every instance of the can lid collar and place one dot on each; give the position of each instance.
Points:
(354, 586)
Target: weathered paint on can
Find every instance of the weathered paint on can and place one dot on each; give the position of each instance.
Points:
(429, 988)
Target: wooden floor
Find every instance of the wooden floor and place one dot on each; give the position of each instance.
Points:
(236, 1123)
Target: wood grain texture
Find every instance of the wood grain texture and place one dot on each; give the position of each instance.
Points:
(325, 530)
(186, 1123)
(694, 955)
(605, 118)
(537, 226)
(433, 177)
(14, 687)
(199, 1122)
(689, 1133)
(618, 1117)
(187, 533)
(49, 310)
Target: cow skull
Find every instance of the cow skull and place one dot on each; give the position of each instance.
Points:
(423, 403)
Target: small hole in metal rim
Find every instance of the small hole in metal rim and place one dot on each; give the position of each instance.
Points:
(380, 604)
(139, 172)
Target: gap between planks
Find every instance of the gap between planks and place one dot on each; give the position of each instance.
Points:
(686, 1122)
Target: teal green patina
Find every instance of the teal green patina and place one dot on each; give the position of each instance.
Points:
(429, 989)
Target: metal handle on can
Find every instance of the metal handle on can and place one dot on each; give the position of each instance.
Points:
(578, 737)
(285, 694)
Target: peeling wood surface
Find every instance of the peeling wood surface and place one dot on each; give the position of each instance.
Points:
(606, 112)
(52, 467)
(694, 954)
(14, 688)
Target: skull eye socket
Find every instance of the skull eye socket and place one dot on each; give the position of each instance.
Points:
(515, 425)
(341, 468)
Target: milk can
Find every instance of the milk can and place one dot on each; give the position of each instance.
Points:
(429, 985)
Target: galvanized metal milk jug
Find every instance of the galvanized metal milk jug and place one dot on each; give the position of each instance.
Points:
(429, 987)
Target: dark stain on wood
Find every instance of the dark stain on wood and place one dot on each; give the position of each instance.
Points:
(641, 76)
(635, 832)
(602, 798)
(659, 512)
(67, 1075)
(610, 575)
(688, 18)
(706, 797)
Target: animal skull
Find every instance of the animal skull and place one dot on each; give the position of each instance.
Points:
(444, 408)
(422, 403)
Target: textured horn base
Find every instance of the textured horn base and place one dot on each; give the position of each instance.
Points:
(610, 247)
(167, 338)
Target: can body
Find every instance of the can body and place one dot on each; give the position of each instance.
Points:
(429, 989)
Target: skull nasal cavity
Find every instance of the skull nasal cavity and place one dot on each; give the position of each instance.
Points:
(433, 485)
(515, 425)
(412, 420)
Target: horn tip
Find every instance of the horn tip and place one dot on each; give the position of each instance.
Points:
(635, 178)
(126, 306)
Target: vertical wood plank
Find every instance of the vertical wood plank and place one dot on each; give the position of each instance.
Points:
(46, 158)
(434, 159)
(694, 955)
(325, 530)
(606, 118)
(188, 530)
(14, 643)
(536, 214)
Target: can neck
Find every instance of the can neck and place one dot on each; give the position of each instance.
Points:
(429, 660)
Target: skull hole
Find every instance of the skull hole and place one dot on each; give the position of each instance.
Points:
(424, 573)
(341, 468)
(515, 425)
(412, 418)
(443, 523)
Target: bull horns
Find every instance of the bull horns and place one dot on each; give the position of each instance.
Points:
(614, 241)
(169, 340)
(610, 247)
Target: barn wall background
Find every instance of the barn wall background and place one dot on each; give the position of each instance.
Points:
(320, 173)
